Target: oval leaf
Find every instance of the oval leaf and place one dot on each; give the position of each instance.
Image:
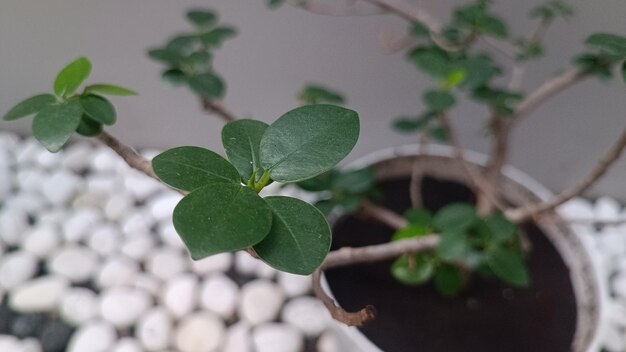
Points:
(202, 18)
(299, 238)
(448, 280)
(71, 77)
(221, 217)
(455, 217)
(109, 89)
(453, 246)
(30, 106)
(610, 43)
(99, 109)
(207, 85)
(307, 141)
(188, 168)
(242, 140)
(412, 271)
(509, 266)
(55, 124)
(438, 101)
(89, 127)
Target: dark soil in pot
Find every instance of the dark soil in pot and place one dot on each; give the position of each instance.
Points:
(487, 316)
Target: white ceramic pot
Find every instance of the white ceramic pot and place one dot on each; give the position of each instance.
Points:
(575, 249)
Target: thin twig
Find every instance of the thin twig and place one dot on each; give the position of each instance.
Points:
(218, 109)
(128, 154)
(383, 215)
(524, 212)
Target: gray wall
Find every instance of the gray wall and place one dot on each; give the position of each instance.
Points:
(278, 51)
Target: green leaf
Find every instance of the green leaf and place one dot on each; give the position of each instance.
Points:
(623, 71)
(241, 140)
(274, 4)
(494, 26)
(319, 183)
(432, 60)
(221, 217)
(99, 109)
(307, 141)
(174, 77)
(188, 168)
(349, 202)
(88, 127)
(509, 266)
(199, 58)
(419, 216)
(408, 124)
(438, 133)
(30, 106)
(479, 70)
(455, 217)
(326, 206)
(500, 99)
(501, 228)
(54, 125)
(168, 56)
(109, 89)
(316, 94)
(418, 30)
(207, 85)
(454, 79)
(202, 18)
(448, 280)
(610, 43)
(410, 232)
(217, 36)
(413, 272)
(438, 101)
(71, 77)
(354, 181)
(183, 43)
(452, 246)
(299, 238)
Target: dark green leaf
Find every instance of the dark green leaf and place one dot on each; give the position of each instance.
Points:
(501, 228)
(71, 77)
(221, 217)
(174, 77)
(453, 246)
(610, 43)
(188, 168)
(412, 272)
(494, 26)
(419, 30)
(183, 43)
(408, 125)
(99, 109)
(274, 4)
(479, 70)
(509, 266)
(308, 141)
(168, 56)
(418, 216)
(89, 127)
(319, 183)
(325, 206)
(354, 181)
(241, 140)
(349, 202)
(207, 85)
(623, 71)
(315, 94)
(217, 36)
(502, 100)
(30, 106)
(299, 238)
(438, 133)
(109, 89)
(202, 18)
(448, 280)
(455, 217)
(438, 101)
(432, 60)
(199, 58)
(55, 124)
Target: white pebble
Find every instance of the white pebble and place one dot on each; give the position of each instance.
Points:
(105, 239)
(137, 221)
(163, 205)
(122, 307)
(13, 223)
(306, 314)
(60, 187)
(138, 245)
(8, 343)
(42, 240)
(200, 332)
(169, 236)
(6, 186)
(29, 345)
(220, 295)
(76, 263)
(606, 209)
(48, 160)
(141, 186)
(294, 285)
(40, 295)
(181, 295)
(261, 301)
(118, 205)
(29, 202)
(80, 223)
(117, 271)
(127, 344)
(238, 338)
(328, 342)
(16, 268)
(275, 337)
(105, 160)
(93, 337)
(30, 180)
(213, 264)
(154, 330)
(577, 208)
(27, 152)
(148, 283)
(247, 265)
(79, 306)
(77, 157)
(166, 263)
(104, 184)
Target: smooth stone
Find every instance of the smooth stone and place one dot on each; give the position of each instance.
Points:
(48, 160)
(28, 202)
(169, 236)
(40, 295)
(8, 343)
(220, 295)
(247, 265)
(13, 224)
(9, 140)
(328, 342)
(118, 205)
(104, 184)
(238, 338)
(294, 285)
(26, 154)
(180, 295)
(77, 157)
(105, 240)
(213, 264)
(81, 223)
(117, 271)
(93, 337)
(105, 160)
(16, 268)
(607, 209)
(260, 301)
(162, 206)
(276, 337)
(141, 186)
(148, 283)
(306, 314)
(138, 246)
(123, 306)
(74, 262)
(137, 221)
(611, 242)
(612, 338)
(53, 217)
(154, 330)
(79, 306)
(200, 332)
(29, 345)
(42, 240)
(577, 208)
(30, 180)
(165, 263)
(127, 344)
(6, 186)
(55, 336)
(28, 325)
(618, 284)
(60, 187)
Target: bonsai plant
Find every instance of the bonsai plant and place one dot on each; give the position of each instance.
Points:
(224, 209)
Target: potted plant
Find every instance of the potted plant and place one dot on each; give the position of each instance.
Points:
(464, 253)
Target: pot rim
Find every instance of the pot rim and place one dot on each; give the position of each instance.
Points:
(592, 257)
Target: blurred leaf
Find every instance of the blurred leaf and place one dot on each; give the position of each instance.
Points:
(438, 133)
(419, 217)
(183, 43)
(168, 56)
(207, 85)
(478, 70)
(108, 89)
(71, 77)
(455, 217)
(609, 43)
(412, 272)
(217, 36)
(274, 4)
(438, 101)
(448, 280)
(99, 109)
(410, 232)
(319, 183)
(418, 30)
(501, 228)
(623, 71)
(316, 94)
(432, 61)
(500, 99)
(454, 79)
(202, 18)
(174, 77)
(452, 246)
(89, 127)
(325, 206)
(508, 266)
(354, 181)
(30, 106)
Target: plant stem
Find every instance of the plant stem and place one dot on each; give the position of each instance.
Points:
(128, 154)
(263, 181)
(218, 109)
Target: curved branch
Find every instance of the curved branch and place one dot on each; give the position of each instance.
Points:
(383, 215)
(218, 109)
(130, 156)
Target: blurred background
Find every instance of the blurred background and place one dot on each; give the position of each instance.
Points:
(277, 52)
